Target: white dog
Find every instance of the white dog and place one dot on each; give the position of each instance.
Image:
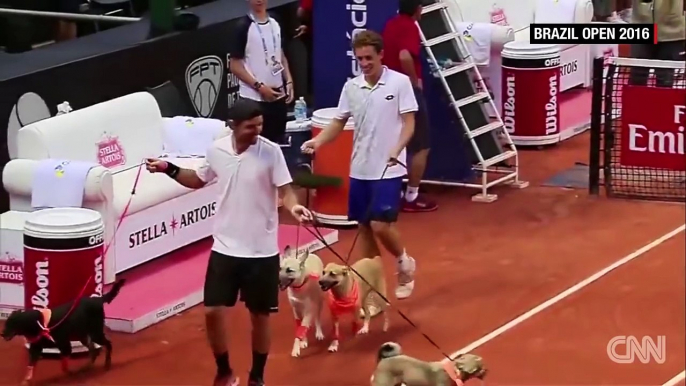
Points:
(299, 275)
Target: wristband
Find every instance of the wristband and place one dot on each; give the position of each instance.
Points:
(171, 170)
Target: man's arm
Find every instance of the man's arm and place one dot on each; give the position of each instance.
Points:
(281, 178)
(189, 178)
(407, 65)
(237, 52)
(286, 68)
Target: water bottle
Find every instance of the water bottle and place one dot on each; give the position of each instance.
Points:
(300, 110)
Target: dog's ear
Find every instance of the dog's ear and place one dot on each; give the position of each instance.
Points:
(345, 271)
(303, 256)
(286, 252)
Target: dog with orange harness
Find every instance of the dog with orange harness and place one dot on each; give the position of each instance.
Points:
(298, 276)
(82, 319)
(350, 291)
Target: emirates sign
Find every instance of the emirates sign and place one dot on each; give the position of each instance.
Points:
(652, 127)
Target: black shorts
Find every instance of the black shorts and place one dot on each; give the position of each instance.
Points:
(255, 279)
(275, 116)
(420, 140)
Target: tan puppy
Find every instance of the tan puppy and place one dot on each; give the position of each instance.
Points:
(299, 275)
(349, 294)
(394, 368)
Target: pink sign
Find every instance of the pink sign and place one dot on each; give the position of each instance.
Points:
(498, 16)
(11, 270)
(110, 152)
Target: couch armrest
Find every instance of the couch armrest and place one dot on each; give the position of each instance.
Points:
(17, 178)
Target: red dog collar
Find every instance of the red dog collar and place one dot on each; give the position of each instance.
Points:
(45, 331)
(307, 278)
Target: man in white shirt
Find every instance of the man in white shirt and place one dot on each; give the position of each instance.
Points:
(250, 172)
(383, 106)
(259, 63)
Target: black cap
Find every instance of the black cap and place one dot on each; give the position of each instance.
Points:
(243, 110)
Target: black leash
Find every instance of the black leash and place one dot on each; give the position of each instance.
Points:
(316, 232)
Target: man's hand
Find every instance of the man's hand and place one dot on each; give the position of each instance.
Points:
(393, 157)
(309, 147)
(269, 94)
(301, 214)
(300, 31)
(290, 95)
(154, 165)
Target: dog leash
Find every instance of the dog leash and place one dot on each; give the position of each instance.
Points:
(316, 232)
(44, 329)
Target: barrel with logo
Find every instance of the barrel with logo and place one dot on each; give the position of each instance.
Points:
(330, 204)
(297, 133)
(63, 257)
(530, 93)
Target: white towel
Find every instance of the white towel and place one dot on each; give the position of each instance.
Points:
(477, 38)
(59, 183)
(187, 136)
(555, 11)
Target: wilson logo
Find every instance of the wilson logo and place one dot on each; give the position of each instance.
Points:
(40, 299)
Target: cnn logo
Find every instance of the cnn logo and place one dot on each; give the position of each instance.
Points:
(626, 349)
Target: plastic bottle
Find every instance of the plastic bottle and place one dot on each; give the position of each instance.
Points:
(300, 110)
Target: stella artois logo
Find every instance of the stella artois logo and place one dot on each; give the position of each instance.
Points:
(11, 269)
(498, 16)
(110, 152)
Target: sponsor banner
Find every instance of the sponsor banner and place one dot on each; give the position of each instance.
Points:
(652, 131)
(574, 66)
(165, 227)
(334, 62)
(203, 81)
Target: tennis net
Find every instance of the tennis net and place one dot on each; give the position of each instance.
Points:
(637, 129)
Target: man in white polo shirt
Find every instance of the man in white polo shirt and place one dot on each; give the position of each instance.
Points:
(250, 171)
(383, 105)
(259, 63)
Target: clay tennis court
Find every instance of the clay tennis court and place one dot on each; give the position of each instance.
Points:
(481, 266)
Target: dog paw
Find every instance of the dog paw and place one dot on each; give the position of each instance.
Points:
(319, 334)
(363, 330)
(295, 353)
(303, 343)
(333, 347)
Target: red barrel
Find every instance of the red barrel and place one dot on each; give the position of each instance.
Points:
(63, 256)
(530, 93)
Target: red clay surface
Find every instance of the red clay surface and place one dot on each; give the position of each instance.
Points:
(480, 266)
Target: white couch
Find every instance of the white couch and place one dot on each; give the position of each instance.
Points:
(519, 14)
(163, 216)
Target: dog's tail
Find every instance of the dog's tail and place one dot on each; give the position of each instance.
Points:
(113, 292)
(388, 350)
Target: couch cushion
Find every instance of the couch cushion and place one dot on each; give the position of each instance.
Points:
(152, 189)
(117, 134)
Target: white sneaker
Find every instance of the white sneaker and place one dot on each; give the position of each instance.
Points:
(406, 268)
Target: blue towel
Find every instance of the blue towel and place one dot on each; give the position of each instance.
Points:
(59, 183)
(186, 136)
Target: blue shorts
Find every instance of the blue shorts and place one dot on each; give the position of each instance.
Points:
(374, 200)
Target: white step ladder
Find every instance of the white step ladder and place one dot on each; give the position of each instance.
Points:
(458, 73)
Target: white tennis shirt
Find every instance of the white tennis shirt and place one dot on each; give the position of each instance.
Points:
(247, 220)
(376, 111)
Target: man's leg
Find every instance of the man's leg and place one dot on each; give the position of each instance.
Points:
(359, 207)
(673, 50)
(261, 295)
(221, 291)
(384, 214)
(419, 149)
(638, 76)
(275, 117)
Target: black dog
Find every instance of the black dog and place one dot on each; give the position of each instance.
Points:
(84, 323)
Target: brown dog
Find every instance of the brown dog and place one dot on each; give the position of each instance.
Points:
(349, 294)
(395, 368)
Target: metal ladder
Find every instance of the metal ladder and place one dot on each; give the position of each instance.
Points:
(438, 34)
